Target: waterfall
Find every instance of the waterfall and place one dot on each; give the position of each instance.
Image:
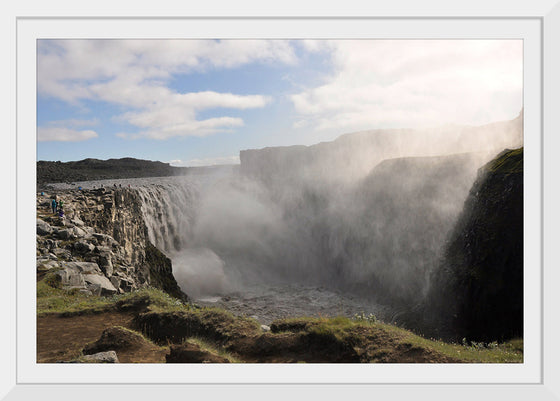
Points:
(380, 236)
(169, 209)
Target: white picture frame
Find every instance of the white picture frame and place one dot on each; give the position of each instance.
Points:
(545, 13)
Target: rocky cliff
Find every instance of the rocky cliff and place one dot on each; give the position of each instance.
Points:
(352, 156)
(100, 245)
(477, 290)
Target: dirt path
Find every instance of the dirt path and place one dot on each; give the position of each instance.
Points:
(63, 338)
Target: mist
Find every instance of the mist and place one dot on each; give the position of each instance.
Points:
(367, 213)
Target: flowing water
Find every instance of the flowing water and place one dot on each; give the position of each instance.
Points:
(178, 212)
(291, 251)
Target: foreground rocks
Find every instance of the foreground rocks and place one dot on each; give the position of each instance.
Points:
(115, 339)
(101, 357)
(100, 245)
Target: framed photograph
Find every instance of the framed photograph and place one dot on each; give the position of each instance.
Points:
(197, 88)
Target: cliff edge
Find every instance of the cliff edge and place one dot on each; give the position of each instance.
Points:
(477, 291)
(100, 245)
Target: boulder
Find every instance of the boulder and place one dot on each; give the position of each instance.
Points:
(100, 357)
(77, 222)
(78, 232)
(50, 264)
(66, 233)
(61, 253)
(42, 259)
(105, 259)
(125, 285)
(43, 228)
(83, 247)
(71, 278)
(51, 244)
(99, 285)
(102, 249)
(104, 239)
(116, 281)
(106, 265)
(81, 267)
(90, 238)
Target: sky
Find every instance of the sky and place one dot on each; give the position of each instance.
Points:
(199, 102)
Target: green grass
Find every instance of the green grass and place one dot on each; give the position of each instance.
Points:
(139, 334)
(208, 347)
(155, 299)
(347, 330)
(55, 300)
(508, 162)
(53, 280)
(52, 300)
(508, 352)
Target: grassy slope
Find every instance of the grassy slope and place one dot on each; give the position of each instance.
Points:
(356, 333)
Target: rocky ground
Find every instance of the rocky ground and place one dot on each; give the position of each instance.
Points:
(141, 329)
(100, 245)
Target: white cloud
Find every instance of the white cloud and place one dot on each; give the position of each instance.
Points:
(300, 124)
(135, 75)
(212, 161)
(67, 67)
(61, 134)
(73, 123)
(401, 83)
(187, 128)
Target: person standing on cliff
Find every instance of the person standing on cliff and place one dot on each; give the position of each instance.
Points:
(53, 205)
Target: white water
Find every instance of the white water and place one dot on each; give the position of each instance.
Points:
(188, 216)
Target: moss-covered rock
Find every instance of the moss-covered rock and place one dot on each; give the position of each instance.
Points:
(477, 291)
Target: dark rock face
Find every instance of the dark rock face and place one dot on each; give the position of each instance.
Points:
(161, 274)
(477, 291)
